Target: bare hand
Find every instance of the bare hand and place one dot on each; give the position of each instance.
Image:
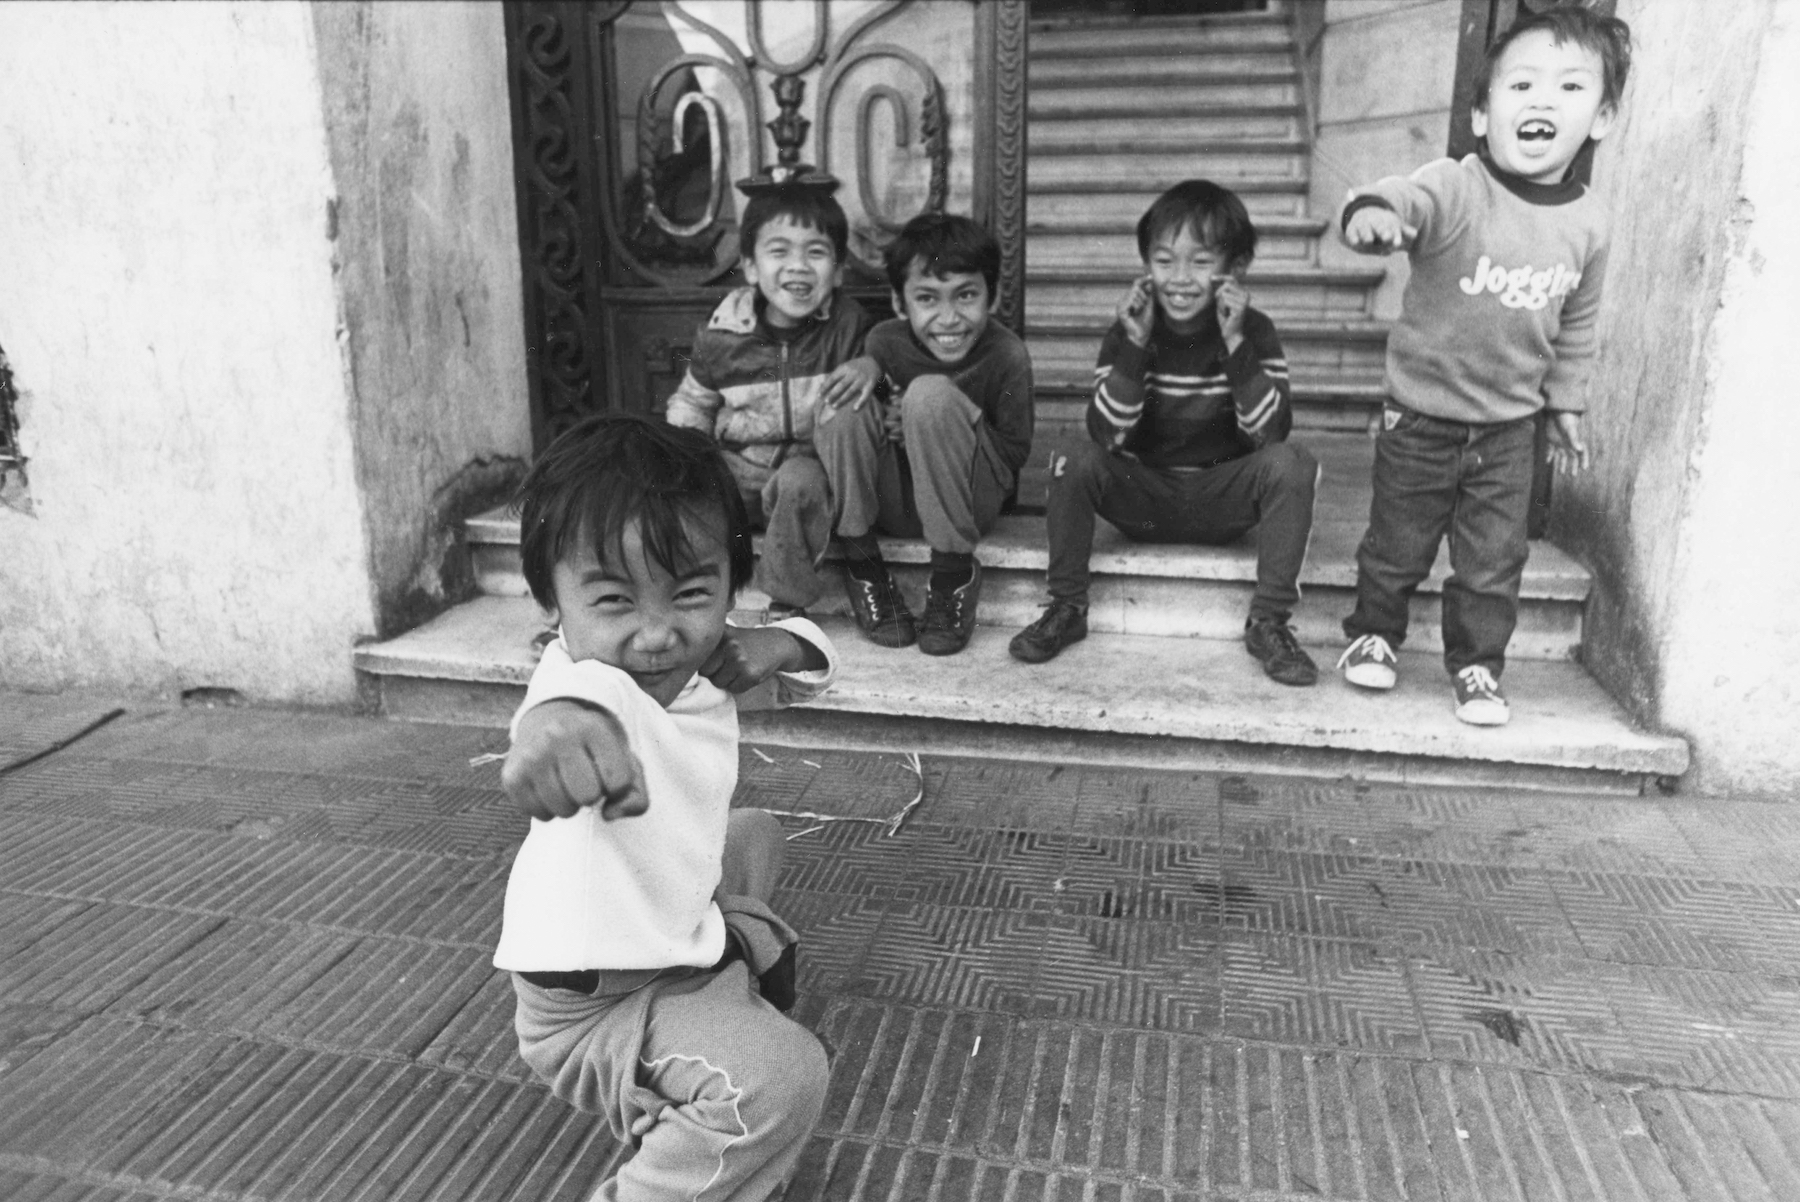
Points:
(851, 383)
(746, 657)
(567, 756)
(1229, 302)
(1374, 230)
(1568, 454)
(1137, 312)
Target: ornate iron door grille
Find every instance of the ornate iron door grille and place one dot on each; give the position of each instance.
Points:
(625, 240)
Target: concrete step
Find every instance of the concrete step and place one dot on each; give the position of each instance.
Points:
(1173, 591)
(1086, 35)
(1099, 68)
(1092, 294)
(1317, 349)
(1224, 124)
(1074, 243)
(1114, 698)
(1177, 91)
(1115, 201)
(1226, 162)
(1342, 406)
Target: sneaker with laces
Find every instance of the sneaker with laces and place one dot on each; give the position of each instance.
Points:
(1272, 641)
(950, 617)
(1062, 624)
(880, 610)
(1479, 701)
(1369, 663)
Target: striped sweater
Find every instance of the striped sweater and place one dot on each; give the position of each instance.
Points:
(1182, 401)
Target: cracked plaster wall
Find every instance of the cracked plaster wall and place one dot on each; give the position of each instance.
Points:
(418, 123)
(169, 309)
(1691, 518)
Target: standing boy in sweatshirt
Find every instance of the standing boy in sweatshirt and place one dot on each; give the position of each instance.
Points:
(1497, 322)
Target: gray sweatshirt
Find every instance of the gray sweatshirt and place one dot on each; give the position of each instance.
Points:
(1498, 318)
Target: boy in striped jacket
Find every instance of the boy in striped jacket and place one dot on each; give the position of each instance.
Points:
(1189, 427)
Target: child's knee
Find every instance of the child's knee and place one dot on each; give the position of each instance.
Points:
(929, 400)
(800, 480)
(1081, 463)
(1287, 465)
(792, 1096)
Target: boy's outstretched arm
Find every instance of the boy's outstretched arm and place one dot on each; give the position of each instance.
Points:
(567, 755)
(1375, 230)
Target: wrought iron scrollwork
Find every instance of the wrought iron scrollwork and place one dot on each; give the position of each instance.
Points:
(552, 177)
(743, 73)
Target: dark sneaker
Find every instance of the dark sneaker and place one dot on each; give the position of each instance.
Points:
(880, 610)
(1479, 701)
(1272, 641)
(1062, 624)
(950, 617)
(1369, 663)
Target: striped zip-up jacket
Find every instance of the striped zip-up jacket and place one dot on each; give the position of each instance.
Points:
(758, 394)
(1183, 402)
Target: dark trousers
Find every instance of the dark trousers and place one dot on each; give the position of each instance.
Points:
(1270, 490)
(1434, 477)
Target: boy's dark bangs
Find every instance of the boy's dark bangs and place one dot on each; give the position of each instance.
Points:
(662, 521)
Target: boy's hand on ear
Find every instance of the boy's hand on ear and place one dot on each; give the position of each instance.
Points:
(1568, 454)
(851, 383)
(1378, 231)
(1229, 302)
(569, 755)
(1137, 312)
(746, 657)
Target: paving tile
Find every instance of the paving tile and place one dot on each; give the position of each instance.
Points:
(1128, 877)
(1002, 793)
(952, 956)
(95, 956)
(479, 1038)
(1326, 992)
(1677, 922)
(1540, 1011)
(1162, 976)
(1303, 893)
(1753, 841)
(835, 932)
(1179, 806)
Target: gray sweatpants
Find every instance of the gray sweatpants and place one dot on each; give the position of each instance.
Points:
(717, 1088)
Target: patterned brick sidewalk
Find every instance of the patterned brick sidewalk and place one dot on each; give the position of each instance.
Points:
(244, 954)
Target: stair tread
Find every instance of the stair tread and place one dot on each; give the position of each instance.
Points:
(1154, 76)
(1056, 390)
(1136, 183)
(1124, 274)
(1198, 689)
(1253, 144)
(1363, 329)
(1019, 542)
(1265, 223)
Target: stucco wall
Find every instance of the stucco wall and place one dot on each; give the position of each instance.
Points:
(1387, 71)
(417, 116)
(168, 307)
(1692, 515)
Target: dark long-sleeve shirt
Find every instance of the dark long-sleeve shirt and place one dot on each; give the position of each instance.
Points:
(1184, 401)
(995, 374)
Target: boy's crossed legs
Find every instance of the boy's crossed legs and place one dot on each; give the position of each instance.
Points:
(946, 483)
(719, 1090)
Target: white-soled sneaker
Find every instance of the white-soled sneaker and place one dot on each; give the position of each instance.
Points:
(1479, 701)
(1369, 663)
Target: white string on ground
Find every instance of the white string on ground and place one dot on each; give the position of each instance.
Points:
(892, 822)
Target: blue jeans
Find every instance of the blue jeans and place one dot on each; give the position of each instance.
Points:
(1434, 477)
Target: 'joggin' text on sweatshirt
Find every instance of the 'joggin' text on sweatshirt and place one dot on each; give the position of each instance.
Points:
(1498, 318)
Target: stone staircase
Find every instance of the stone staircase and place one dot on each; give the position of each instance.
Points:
(1118, 111)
